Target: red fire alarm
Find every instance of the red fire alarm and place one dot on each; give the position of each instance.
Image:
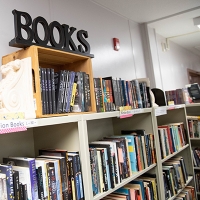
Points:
(116, 44)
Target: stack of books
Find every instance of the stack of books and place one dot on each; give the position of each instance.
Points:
(144, 187)
(55, 174)
(187, 193)
(64, 91)
(113, 93)
(172, 138)
(175, 176)
(116, 158)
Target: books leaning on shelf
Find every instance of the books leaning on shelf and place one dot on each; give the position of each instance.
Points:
(194, 126)
(172, 138)
(116, 158)
(187, 193)
(197, 179)
(55, 174)
(113, 93)
(64, 91)
(144, 187)
(175, 176)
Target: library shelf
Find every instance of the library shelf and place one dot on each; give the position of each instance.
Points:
(175, 153)
(197, 168)
(188, 181)
(124, 182)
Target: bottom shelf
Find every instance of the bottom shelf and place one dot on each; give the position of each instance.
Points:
(188, 181)
(124, 182)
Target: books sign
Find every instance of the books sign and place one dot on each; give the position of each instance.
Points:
(65, 35)
(160, 111)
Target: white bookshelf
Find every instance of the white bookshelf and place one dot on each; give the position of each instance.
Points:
(175, 114)
(194, 110)
(75, 132)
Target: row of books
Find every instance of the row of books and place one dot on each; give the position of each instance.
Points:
(172, 137)
(186, 194)
(196, 156)
(116, 158)
(194, 126)
(175, 176)
(197, 180)
(177, 96)
(113, 93)
(54, 175)
(64, 91)
(144, 187)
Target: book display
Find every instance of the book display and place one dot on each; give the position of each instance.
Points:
(90, 155)
(193, 113)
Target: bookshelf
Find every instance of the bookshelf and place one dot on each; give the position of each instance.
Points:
(100, 125)
(193, 110)
(175, 114)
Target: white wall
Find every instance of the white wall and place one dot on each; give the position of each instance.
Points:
(101, 24)
(174, 64)
(170, 67)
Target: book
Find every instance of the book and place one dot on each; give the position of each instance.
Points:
(7, 180)
(16, 185)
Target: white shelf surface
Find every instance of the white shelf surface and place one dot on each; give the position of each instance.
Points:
(124, 182)
(56, 120)
(103, 115)
(172, 107)
(171, 155)
(198, 168)
(188, 181)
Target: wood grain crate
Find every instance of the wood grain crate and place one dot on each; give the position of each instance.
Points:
(58, 60)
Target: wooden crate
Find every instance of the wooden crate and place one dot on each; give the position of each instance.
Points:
(58, 60)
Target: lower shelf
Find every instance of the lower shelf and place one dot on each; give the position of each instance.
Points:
(124, 182)
(188, 181)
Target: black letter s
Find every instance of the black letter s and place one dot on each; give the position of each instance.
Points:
(82, 40)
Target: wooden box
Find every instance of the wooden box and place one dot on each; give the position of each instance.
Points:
(58, 60)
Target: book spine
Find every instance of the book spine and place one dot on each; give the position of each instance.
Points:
(33, 177)
(73, 93)
(42, 74)
(71, 82)
(49, 90)
(80, 177)
(53, 91)
(40, 183)
(53, 183)
(46, 91)
(9, 183)
(82, 92)
(70, 195)
(25, 192)
(16, 185)
(66, 89)
(85, 91)
(96, 93)
(88, 92)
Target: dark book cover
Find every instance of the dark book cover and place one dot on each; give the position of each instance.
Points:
(40, 183)
(53, 90)
(85, 82)
(16, 185)
(46, 90)
(24, 190)
(43, 90)
(49, 82)
(138, 94)
(21, 192)
(52, 182)
(59, 91)
(82, 89)
(70, 181)
(66, 90)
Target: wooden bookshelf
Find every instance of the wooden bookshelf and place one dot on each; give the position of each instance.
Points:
(58, 60)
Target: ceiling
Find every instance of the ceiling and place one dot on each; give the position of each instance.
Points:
(172, 19)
